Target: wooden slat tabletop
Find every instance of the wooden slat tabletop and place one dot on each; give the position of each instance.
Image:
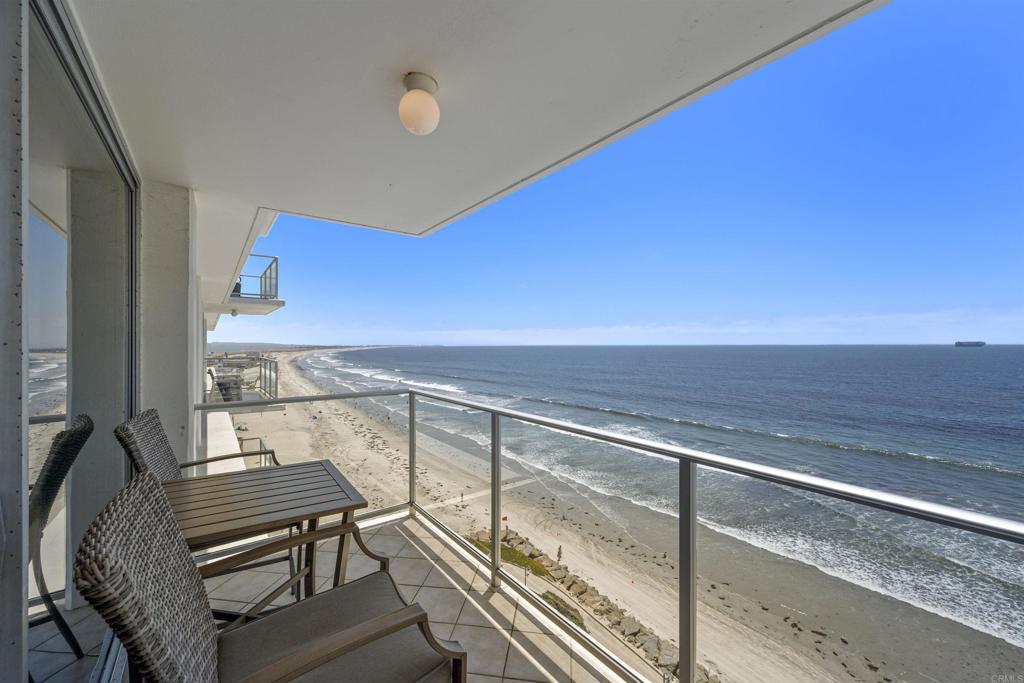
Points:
(226, 507)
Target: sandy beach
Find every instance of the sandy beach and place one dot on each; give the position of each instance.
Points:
(761, 616)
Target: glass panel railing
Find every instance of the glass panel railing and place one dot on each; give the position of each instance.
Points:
(453, 466)
(593, 529)
(801, 585)
(809, 588)
(240, 376)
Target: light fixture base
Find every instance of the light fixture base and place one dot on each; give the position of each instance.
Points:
(414, 80)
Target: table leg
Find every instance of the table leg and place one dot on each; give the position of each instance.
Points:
(311, 526)
(344, 542)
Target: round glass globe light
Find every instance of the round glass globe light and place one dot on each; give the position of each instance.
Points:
(419, 112)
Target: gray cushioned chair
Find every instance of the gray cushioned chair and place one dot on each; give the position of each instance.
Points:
(134, 568)
(63, 452)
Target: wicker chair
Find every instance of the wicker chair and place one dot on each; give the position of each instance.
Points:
(63, 451)
(145, 442)
(134, 568)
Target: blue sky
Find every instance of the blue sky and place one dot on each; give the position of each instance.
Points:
(868, 188)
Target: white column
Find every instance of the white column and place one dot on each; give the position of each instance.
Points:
(97, 345)
(13, 370)
(167, 321)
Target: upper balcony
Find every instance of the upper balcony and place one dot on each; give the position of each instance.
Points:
(255, 290)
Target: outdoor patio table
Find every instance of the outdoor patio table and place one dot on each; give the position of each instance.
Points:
(222, 508)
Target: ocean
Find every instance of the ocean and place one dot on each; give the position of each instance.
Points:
(47, 382)
(942, 424)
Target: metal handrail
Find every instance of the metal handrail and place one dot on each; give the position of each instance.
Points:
(47, 419)
(935, 512)
(266, 402)
(976, 522)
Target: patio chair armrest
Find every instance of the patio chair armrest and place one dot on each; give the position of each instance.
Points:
(262, 451)
(247, 556)
(324, 649)
(229, 456)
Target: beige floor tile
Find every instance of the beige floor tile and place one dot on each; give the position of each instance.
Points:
(77, 671)
(451, 573)
(539, 657)
(42, 665)
(415, 528)
(325, 563)
(441, 604)
(585, 671)
(477, 678)
(213, 583)
(88, 632)
(42, 633)
(390, 529)
(530, 622)
(486, 647)
(442, 631)
(408, 593)
(429, 548)
(490, 608)
(228, 605)
(246, 586)
(383, 544)
(409, 571)
(359, 566)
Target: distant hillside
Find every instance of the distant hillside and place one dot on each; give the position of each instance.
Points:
(234, 347)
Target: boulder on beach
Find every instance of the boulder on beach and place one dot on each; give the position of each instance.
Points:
(629, 626)
(649, 644)
(668, 655)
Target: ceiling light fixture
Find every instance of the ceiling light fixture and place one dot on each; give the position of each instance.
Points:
(418, 109)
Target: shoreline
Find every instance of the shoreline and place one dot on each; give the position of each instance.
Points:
(761, 616)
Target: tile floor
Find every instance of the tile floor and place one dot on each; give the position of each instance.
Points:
(506, 640)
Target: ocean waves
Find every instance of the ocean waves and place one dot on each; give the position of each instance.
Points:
(770, 435)
(947, 572)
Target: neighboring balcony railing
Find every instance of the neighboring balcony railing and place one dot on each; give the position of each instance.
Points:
(232, 375)
(257, 284)
(494, 421)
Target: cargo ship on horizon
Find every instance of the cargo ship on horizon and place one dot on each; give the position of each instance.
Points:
(969, 343)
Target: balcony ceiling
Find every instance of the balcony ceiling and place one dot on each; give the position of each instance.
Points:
(293, 106)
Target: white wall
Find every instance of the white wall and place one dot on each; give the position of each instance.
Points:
(167, 320)
(13, 363)
(48, 189)
(98, 343)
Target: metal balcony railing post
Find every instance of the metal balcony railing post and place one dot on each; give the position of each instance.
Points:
(495, 499)
(687, 570)
(412, 454)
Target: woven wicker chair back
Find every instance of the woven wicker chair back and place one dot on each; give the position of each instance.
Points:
(63, 451)
(134, 567)
(145, 442)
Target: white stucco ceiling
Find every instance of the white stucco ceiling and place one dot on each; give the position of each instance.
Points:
(293, 106)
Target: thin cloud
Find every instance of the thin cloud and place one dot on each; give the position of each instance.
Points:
(935, 327)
